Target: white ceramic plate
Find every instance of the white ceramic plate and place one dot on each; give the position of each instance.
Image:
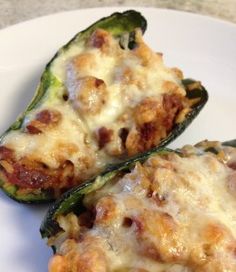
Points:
(204, 48)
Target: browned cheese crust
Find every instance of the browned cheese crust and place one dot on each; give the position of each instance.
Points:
(114, 102)
(171, 214)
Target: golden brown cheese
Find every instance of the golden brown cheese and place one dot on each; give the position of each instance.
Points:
(171, 214)
(112, 102)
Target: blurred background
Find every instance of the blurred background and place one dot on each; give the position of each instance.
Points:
(15, 11)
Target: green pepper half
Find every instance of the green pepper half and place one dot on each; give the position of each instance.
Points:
(72, 201)
(118, 24)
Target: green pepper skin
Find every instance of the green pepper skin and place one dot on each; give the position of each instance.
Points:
(118, 24)
(44, 197)
(231, 143)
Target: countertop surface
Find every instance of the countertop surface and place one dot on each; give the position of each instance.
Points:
(15, 11)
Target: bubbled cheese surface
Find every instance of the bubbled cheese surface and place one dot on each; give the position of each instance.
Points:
(129, 77)
(171, 214)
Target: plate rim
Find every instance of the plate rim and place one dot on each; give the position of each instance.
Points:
(37, 20)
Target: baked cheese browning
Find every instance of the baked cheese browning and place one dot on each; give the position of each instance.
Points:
(59, 156)
(171, 213)
(138, 93)
(110, 102)
(43, 121)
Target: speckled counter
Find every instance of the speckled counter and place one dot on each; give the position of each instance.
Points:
(14, 11)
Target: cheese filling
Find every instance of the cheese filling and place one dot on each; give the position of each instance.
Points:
(112, 103)
(171, 214)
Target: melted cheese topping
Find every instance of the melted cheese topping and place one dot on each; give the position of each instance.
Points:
(171, 214)
(104, 85)
(128, 80)
(53, 144)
